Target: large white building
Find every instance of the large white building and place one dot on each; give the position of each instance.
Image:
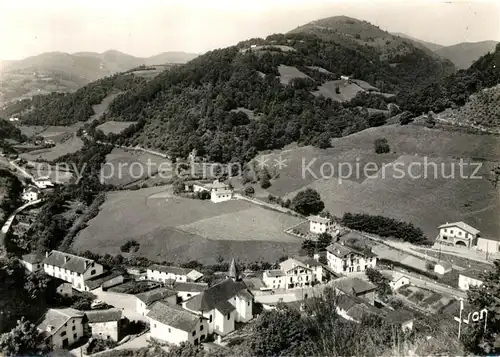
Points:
(31, 194)
(345, 259)
(458, 234)
(222, 305)
(33, 261)
(71, 268)
(61, 328)
(467, 279)
(166, 273)
(318, 224)
(173, 324)
(488, 245)
(219, 191)
(293, 273)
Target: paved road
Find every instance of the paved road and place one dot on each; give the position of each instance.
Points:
(9, 221)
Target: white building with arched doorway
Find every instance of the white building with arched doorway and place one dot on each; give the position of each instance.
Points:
(458, 234)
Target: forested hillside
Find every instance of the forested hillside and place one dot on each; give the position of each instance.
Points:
(9, 131)
(454, 90)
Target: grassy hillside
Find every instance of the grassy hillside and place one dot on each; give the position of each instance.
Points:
(426, 201)
(64, 72)
(464, 54)
(430, 45)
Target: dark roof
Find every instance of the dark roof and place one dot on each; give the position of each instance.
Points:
(475, 274)
(224, 307)
(96, 282)
(173, 316)
(151, 296)
(104, 315)
(345, 301)
(190, 287)
(33, 258)
(399, 316)
(354, 285)
(308, 261)
(170, 269)
(342, 250)
(275, 273)
(208, 299)
(67, 261)
(358, 311)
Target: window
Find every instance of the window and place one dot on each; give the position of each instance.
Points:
(451, 231)
(201, 327)
(210, 318)
(169, 330)
(74, 328)
(445, 230)
(92, 272)
(248, 303)
(63, 333)
(459, 233)
(75, 336)
(194, 333)
(229, 316)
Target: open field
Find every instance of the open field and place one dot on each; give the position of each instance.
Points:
(287, 73)
(347, 90)
(69, 146)
(427, 200)
(100, 109)
(124, 167)
(114, 127)
(180, 229)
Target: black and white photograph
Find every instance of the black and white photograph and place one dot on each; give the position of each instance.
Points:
(275, 178)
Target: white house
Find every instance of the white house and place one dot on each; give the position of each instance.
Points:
(188, 290)
(43, 183)
(320, 225)
(488, 244)
(345, 78)
(173, 324)
(61, 328)
(219, 191)
(458, 234)
(468, 279)
(104, 324)
(164, 273)
(222, 305)
(398, 280)
(146, 299)
(345, 259)
(32, 262)
(30, 194)
(71, 268)
(294, 272)
(442, 268)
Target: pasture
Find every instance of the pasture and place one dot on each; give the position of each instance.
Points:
(70, 145)
(287, 73)
(346, 90)
(180, 229)
(114, 127)
(427, 197)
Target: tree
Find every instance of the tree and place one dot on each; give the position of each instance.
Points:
(203, 195)
(186, 350)
(487, 296)
(381, 146)
(265, 182)
(380, 281)
(249, 191)
(307, 202)
(324, 240)
(22, 340)
(178, 187)
(430, 122)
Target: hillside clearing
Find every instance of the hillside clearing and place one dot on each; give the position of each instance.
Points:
(114, 127)
(347, 90)
(287, 73)
(157, 219)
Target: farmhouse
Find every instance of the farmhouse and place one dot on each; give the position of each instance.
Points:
(163, 273)
(488, 245)
(71, 268)
(356, 287)
(30, 193)
(104, 324)
(146, 299)
(468, 279)
(173, 324)
(294, 273)
(457, 234)
(32, 262)
(43, 183)
(219, 191)
(222, 305)
(61, 327)
(320, 225)
(442, 268)
(344, 259)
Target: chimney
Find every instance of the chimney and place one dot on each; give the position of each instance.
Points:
(46, 254)
(50, 328)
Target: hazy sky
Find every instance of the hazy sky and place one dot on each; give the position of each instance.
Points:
(147, 27)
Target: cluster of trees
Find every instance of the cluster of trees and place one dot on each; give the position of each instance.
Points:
(11, 194)
(381, 146)
(310, 247)
(384, 227)
(307, 202)
(130, 245)
(10, 131)
(380, 281)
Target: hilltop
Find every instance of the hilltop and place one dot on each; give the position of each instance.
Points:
(62, 72)
(464, 54)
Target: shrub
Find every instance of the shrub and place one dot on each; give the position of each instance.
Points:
(381, 146)
(308, 202)
(130, 245)
(249, 191)
(98, 345)
(202, 195)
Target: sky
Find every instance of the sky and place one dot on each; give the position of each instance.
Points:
(148, 27)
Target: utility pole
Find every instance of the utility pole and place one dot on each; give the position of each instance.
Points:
(460, 317)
